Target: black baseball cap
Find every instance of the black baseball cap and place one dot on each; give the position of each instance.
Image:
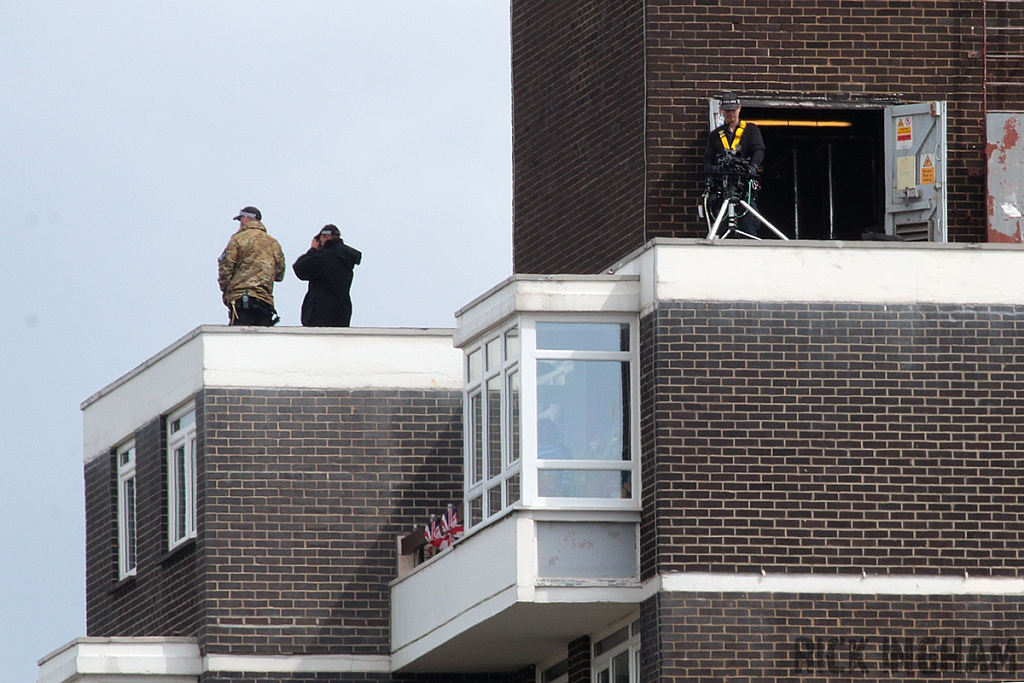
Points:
(330, 229)
(729, 102)
(249, 212)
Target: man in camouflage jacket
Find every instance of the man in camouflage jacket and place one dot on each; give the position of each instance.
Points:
(247, 270)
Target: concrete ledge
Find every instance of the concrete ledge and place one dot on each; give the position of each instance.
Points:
(177, 660)
(282, 358)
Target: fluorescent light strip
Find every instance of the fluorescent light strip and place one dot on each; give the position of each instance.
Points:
(801, 124)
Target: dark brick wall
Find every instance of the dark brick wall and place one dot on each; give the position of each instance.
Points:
(834, 51)
(650, 639)
(579, 660)
(577, 85)
(835, 438)
(162, 599)
(305, 492)
(301, 496)
(739, 637)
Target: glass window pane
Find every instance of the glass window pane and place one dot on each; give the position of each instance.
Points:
(602, 676)
(494, 500)
(182, 422)
(476, 512)
(180, 493)
(512, 489)
(513, 417)
(583, 336)
(129, 524)
(494, 354)
(130, 505)
(476, 417)
(582, 410)
(494, 426)
(620, 668)
(608, 642)
(512, 344)
(474, 367)
(555, 672)
(584, 483)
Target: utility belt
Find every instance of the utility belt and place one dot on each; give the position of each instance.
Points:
(251, 303)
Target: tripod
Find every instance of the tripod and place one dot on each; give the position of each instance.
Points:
(725, 183)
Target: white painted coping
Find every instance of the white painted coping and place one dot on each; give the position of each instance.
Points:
(546, 294)
(177, 660)
(277, 358)
(806, 271)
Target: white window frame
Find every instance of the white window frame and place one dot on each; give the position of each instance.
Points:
(503, 345)
(531, 463)
(181, 483)
(127, 520)
(520, 465)
(601, 663)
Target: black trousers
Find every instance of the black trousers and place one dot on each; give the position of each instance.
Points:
(252, 312)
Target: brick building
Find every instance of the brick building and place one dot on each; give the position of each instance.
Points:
(613, 101)
(676, 458)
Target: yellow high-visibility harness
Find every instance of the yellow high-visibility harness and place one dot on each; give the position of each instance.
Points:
(735, 141)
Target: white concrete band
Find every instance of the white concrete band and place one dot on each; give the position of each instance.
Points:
(864, 584)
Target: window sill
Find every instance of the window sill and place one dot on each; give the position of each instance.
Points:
(122, 584)
(178, 550)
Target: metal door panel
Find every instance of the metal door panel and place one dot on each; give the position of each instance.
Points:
(915, 171)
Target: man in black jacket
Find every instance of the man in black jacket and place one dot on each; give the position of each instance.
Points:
(327, 266)
(735, 138)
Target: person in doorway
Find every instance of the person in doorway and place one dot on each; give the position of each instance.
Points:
(327, 266)
(736, 138)
(247, 270)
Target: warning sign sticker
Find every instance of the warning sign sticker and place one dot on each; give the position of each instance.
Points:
(904, 132)
(927, 170)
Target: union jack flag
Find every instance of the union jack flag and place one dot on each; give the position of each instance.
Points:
(450, 525)
(432, 532)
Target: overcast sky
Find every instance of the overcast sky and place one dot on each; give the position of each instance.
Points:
(133, 132)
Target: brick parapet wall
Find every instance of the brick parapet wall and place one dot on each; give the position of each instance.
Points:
(835, 438)
(305, 494)
(162, 599)
(748, 637)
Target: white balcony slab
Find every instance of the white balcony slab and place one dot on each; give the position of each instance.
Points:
(483, 605)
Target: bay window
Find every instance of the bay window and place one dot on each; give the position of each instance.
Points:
(551, 415)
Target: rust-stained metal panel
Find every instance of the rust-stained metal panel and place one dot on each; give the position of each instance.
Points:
(1005, 151)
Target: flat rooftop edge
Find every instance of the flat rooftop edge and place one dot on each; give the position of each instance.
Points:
(288, 331)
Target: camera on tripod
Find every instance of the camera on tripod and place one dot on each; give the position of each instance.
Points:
(730, 190)
(731, 177)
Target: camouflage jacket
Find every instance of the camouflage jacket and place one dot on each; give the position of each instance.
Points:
(250, 264)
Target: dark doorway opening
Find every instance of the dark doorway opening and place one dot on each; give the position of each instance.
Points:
(823, 171)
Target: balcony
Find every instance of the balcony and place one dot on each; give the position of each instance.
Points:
(514, 592)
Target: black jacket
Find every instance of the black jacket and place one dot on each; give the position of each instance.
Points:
(329, 273)
(751, 146)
